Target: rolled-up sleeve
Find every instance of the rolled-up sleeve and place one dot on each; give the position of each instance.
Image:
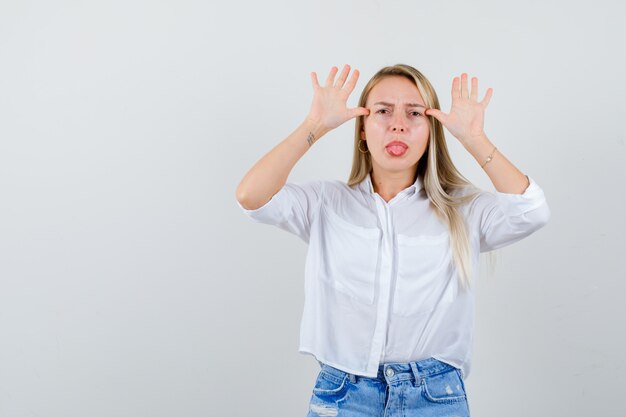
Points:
(292, 208)
(507, 218)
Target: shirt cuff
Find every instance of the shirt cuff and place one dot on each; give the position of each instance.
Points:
(267, 210)
(518, 204)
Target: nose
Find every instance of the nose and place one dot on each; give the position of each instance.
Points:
(397, 124)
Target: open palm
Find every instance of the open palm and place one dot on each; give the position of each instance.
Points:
(466, 118)
(329, 101)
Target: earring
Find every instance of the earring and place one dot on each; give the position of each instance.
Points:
(363, 151)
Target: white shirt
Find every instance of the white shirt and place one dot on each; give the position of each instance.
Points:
(380, 285)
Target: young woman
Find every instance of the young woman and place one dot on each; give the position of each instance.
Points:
(389, 305)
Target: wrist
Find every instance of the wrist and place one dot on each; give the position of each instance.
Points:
(481, 149)
(315, 128)
(474, 143)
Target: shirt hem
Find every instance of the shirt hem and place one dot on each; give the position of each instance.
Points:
(451, 363)
(307, 351)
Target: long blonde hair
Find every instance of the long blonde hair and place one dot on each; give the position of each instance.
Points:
(440, 176)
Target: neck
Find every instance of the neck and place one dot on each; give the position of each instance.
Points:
(389, 184)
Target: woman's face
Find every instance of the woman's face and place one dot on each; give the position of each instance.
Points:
(396, 114)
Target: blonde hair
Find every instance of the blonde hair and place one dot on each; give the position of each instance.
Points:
(440, 177)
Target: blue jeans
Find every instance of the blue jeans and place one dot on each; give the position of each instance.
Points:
(425, 388)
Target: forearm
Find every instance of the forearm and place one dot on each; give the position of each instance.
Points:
(505, 176)
(270, 173)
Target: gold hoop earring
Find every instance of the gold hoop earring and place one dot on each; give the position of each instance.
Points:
(363, 151)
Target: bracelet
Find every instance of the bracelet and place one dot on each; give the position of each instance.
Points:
(490, 157)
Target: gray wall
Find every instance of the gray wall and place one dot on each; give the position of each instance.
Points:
(131, 284)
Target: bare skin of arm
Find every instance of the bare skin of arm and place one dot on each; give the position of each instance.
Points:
(328, 111)
(270, 172)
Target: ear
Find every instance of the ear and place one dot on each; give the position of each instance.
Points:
(362, 134)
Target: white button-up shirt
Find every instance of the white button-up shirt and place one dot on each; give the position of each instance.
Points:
(380, 283)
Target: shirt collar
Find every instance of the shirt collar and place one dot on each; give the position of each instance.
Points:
(368, 187)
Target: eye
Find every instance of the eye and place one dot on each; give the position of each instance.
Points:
(382, 110)
(416, 113)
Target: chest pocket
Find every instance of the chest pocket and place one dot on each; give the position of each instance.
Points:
(422, 273)
(349, 257)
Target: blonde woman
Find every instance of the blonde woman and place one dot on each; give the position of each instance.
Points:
(392, 253)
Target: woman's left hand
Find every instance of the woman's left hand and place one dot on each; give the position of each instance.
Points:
(466, 117)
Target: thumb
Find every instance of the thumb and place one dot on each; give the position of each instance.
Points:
(358, 111)
(437, 114)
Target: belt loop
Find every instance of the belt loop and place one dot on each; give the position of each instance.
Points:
(352, 378)
(418, 379)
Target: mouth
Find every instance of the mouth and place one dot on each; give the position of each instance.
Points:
(396, 148)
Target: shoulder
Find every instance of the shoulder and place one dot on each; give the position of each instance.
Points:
(468, 192)
(320, 190)
(339, 187)
(312, 186)
(471, 198)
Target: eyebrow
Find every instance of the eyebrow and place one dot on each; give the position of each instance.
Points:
(384, 103)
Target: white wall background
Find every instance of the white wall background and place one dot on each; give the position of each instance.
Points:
(131, 284)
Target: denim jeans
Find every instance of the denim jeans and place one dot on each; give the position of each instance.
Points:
(425, 388)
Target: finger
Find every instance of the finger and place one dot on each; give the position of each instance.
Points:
(331, 77)
(352, 81)
(488, 95)
(314, 81)
(456, 90)
(437, 114)
(342, 77)
(464, 92)
(358, 111)
(474, 93)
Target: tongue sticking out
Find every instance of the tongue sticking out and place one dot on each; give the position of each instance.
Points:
(396, 150)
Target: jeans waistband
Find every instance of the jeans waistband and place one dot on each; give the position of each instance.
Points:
(392, 372)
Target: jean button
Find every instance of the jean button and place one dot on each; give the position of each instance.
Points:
(389, 372)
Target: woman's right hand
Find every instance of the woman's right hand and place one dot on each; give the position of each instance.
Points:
(329, 108)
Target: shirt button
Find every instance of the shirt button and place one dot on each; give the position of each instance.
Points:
(389, 372)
